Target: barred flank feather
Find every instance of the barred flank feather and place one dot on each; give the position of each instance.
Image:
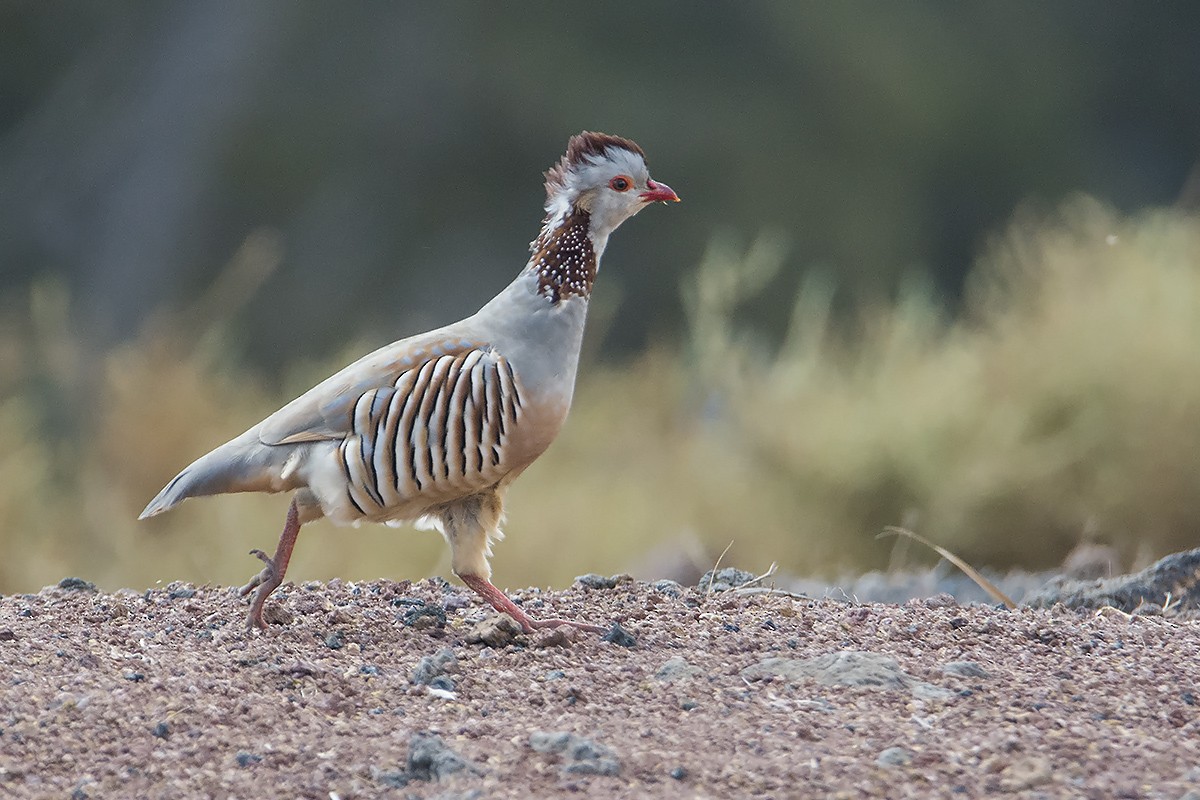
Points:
(441, 429)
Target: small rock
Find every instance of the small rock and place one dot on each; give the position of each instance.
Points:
(965, 669)
(245, 759)
(843, 668)
(1027, 773)
(941, 600)
(724, 579)
(275, 614)
(7, 635)
(847, 668)
(136, 677)
(679, 773)
(562, 636)
(429, 759)
(669, 588)
(927, 691)
(495, 631)
(392, 779)
(442, 683)
(594, 581)
(598, 766)
(77, 585)
(619, 636)
(580, 756)
(676, 669)
(456, 601)
(688, 705)
(161, 731)
(301, 669)
(547, 742)
(430, 667)
(424, 616)
(817, 704)
(181, 593)
(894, 757)
(335, 640)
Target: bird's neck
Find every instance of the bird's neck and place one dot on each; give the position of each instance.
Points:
(566, 256)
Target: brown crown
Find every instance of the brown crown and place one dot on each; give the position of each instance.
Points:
(581, 147)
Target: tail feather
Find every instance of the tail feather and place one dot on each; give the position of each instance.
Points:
(192, 482)
(242, 465)
(172, 495)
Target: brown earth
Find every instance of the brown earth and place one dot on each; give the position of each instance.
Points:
(376, 690)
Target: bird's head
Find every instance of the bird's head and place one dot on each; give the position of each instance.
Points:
(606, 177)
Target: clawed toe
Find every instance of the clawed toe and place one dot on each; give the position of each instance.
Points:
(268, 574)
(266, 582)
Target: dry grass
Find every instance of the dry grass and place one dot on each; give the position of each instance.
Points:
(1066, 398)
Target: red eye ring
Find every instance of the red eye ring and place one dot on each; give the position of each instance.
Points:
(621, 183)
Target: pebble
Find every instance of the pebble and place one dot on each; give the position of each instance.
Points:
(245, 759)
(424, 616)
(941, 600)
(724, 579)
(676, 669)
(429, 759)
(580, 756)
(275, 614)
(77, 585)
(847, 668)
(965, 669)
(594, 581)
(669, 588)
(894, 757)
(435, 666)
(1027, 773)
(495, 631)
(619, 636)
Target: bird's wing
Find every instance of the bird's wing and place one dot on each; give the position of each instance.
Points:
(326, 412)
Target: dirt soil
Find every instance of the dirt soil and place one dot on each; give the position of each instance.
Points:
(385, 689)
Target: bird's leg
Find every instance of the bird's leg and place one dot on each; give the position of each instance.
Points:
(272, 574)
(469, 526)
(501, 603)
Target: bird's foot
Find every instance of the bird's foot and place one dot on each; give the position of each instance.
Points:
(266, 582)
(499, 601)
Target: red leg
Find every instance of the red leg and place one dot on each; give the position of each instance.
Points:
(501, 603)
(272, 574)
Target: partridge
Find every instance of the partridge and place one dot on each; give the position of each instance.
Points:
(430, 430)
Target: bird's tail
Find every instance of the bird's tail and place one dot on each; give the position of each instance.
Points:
(238, 466)
(195, 481)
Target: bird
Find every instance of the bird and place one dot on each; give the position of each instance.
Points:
(431, 429)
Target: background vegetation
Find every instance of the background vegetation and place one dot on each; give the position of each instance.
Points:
(937, 265)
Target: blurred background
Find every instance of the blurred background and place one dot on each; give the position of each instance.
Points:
(937, 264)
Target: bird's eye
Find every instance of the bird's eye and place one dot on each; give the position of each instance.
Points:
(620, 183)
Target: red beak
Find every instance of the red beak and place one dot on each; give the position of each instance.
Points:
(658, 193)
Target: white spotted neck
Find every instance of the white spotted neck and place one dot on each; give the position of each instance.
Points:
(566, 256)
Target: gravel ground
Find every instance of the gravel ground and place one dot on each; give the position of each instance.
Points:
(400, 690)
